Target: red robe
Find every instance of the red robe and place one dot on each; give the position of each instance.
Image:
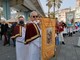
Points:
(32, 32)
(17, 31)
(59, 28)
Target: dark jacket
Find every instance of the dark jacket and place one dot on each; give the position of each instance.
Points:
(4, 28)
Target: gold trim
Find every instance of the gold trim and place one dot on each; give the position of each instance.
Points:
(18, 34)
(38, 34)
(36, 28)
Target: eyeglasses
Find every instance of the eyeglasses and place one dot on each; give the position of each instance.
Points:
(34, 16)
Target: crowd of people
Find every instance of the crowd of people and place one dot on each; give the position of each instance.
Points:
(6, 30)
(63, 30)
(27, 37)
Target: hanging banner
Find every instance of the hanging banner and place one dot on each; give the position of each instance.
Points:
(48, 38)
(70, 18)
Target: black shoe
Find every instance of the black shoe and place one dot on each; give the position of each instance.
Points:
(63, 43)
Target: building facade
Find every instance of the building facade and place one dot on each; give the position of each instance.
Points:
(61, 15)
(77, 3)
(77, 14)
(77, 11)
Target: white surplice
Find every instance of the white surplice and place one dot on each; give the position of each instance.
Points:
(65, 30)
(61, 38)
(34, 48)
(21, 47)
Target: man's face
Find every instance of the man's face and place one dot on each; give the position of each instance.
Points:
(21, 19)
(34, 16)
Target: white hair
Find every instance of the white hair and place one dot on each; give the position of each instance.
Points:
(33, 12)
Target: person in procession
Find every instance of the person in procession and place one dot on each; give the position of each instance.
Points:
(27, 38)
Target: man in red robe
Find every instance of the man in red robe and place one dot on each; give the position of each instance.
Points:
(35, 44)
(27, 38)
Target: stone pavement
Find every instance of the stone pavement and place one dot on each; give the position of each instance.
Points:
(69, 51)
(7, 52)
